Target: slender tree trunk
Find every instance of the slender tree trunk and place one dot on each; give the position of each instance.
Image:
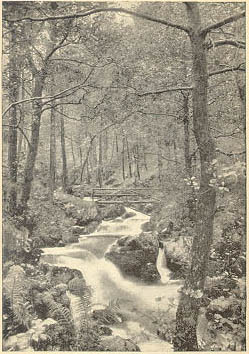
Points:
(64, 156)
(144, 157)
(116, 139)
(100, 162)
(129, 157)
(112, 153)
(86, 162)
(159, 158)
(105, 147)
(81, 159)
(136, 158)
(88, 171)
(175, 152)
(72, 151)
(190, 300)
(187, 156)
(20, 140)
(123, 159)
(12, 134)
(242, 95)
(52, 162)
(39, 80)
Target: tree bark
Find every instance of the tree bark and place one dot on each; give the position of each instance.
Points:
(72, 151)
(20, 139)
(39, 80)
(129, 157)
(64, 156)
(123, 159)
(159, 158)
(52, 161)
(136, 157)
(187, 156)
(100, 162)
(242, 95)
(188, 308)
(12, 134)
(116, 139)
(144, 157)
(88, 171)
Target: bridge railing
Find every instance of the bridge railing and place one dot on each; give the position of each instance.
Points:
(121, 192)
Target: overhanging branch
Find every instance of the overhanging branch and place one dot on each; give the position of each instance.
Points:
(95, 11)
(172, 89)
(49, 98)
(237, 44)
(223, 22)
(223, 71)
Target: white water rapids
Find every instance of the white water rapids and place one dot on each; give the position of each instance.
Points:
(109, 284)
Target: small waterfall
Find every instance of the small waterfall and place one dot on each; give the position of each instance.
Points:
(161, 267)
(122, 227)
(109, 284)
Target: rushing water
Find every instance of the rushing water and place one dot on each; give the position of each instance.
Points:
(109, 284)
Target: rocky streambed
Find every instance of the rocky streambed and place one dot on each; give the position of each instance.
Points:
(121, 271)
(121, 264)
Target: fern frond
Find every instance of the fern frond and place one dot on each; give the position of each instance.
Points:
(57, 311)
(16, 288)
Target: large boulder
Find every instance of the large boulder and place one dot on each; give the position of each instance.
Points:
(60, 275)
(136, 256)
(107, 317)
(82, 211)
(112, 211)
(178, 255)
(83, 214)
(118, 344)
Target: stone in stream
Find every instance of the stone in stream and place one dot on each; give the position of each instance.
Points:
(109, 212)
(128, 214)
(118, 344)
(136, 256)
(178, 255)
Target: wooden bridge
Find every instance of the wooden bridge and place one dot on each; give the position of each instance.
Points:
(125, 195)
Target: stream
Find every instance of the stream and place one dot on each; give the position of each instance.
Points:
(137, 300)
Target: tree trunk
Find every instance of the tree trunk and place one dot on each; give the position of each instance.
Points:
(39, 79)
(81, 161)
(12, 134)
(64, 156)
(129, 157)
(86, 162)
(113, 148)
(105, 147)
(189, 304)
(100, 167)
(88, 171)
(72, 150)
(116, 139)
(144, 157)
(123, 159)
(136, 158)
(242, 95)
(187, 156)
(52, 163)
(20, 139)
(159, 158)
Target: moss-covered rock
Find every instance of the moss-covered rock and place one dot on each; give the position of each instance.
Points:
(81, 211)
(136, 256)
(118, 344)
(178, 255)
(112, 211)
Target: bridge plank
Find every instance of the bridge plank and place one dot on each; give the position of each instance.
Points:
(125, 201)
